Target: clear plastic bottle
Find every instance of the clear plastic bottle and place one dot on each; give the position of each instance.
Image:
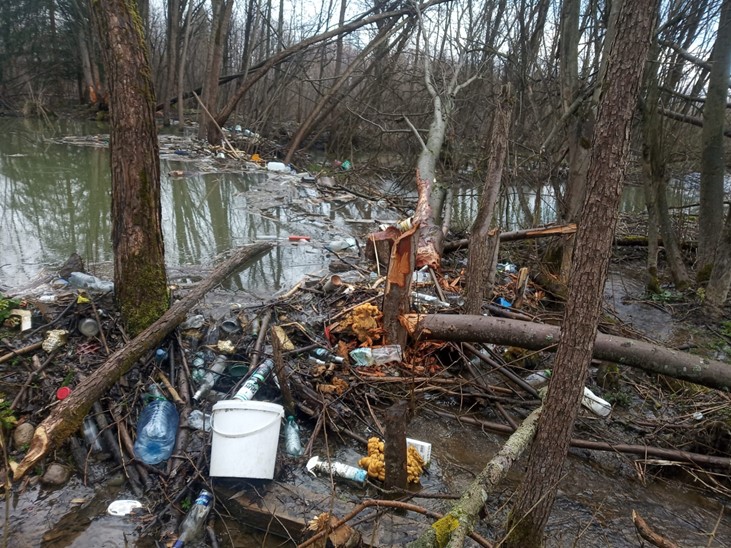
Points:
(325, 355)
(91, 434)
(156, 429)
(195, 520)
(210, 378)
(199, 420)
(292, 441)
(254, 382)
(87, 281)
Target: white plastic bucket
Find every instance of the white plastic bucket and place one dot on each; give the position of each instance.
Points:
(245, 438)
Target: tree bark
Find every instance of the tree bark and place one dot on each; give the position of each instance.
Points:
(537, 336)
(480, 258)
(710, 215)
(66, 418)
(139, 256)
(607, 169)
(396, 297)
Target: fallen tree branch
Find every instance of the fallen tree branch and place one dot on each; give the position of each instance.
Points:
(644, 451)
(452, 529)
(534, 336)
(527, 234)
(649, 535)
(67, 417)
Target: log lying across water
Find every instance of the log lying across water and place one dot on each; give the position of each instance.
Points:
(535, 336)
(66, 418)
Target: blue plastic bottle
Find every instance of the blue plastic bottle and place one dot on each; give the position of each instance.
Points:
(156, 429)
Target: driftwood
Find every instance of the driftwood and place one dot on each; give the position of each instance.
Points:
(452, 529)
(67, 417)
(527, 234)
(534, 336)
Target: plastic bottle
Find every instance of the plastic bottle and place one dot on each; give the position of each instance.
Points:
(341, 245)
(87, 281)
(161, 356)
(91, 434)
(539, 378)
(195, 520)
(292, 441)
(156, 429)
(199, 420)
(278, 167)
(88, 327)
(595, 404)
(325, 355)
(210, 378)
(254, 382)
(337, 469)
(423, 298)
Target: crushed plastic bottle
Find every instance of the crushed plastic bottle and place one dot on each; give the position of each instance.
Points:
(199, 420)
(195, 520)
(292, 440)
(254, 382)
(341, 245)
(87, 281)
(157, 429)
(210, 378)
(377, 355)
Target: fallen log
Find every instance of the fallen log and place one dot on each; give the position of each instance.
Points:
(534, 336)
(459, 522)
(527, 234)
(66, 418)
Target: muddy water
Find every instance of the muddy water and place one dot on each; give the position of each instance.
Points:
(54, 200)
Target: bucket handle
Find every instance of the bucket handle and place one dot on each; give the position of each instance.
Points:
(228, 435)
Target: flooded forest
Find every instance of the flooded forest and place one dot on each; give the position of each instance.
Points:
(381, 273)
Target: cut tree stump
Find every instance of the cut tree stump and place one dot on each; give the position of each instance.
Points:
(67, 416)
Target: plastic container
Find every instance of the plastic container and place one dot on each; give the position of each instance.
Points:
(161, 356)
(88, 327)
(157, 429)
(278, 167)
(254, 382)
(338, 469)
(245, 439)
(422, 447)
(292, 440)
(595, 404)
(195, 520)
(87, 281)
(210, 377)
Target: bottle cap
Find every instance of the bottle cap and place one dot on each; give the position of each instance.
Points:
(63, 393)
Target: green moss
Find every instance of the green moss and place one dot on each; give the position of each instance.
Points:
(443, 529)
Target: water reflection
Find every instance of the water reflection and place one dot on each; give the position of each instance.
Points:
(55, 200)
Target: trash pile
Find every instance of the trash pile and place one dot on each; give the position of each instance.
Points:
(243, 396)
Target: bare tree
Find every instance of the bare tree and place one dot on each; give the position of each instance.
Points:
(710, 221)
(609, 157)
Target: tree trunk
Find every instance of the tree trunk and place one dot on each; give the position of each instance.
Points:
(710, 219)
(171, 56)
(139, 257)
(67, 416)
(609, 157)
(536, 336)
(480, 258)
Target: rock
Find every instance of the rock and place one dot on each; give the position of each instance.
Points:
(56, 474)
(23, 435)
